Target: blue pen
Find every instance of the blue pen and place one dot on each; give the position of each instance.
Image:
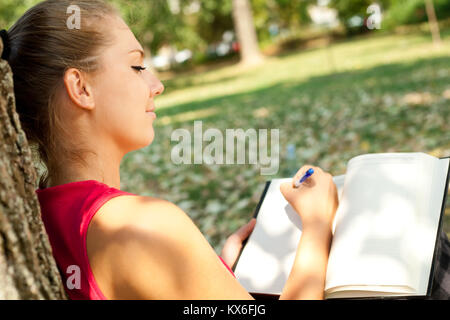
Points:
(305, 176)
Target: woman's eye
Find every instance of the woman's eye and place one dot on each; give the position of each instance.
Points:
(139, 68)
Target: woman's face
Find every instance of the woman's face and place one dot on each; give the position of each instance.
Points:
(123, 95)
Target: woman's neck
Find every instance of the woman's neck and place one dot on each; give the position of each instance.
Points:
(63, 180)
(106, 172)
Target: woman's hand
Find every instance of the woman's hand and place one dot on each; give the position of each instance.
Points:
(315, 200)
(233, 244)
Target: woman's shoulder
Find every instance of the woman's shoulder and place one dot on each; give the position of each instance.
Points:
(148, 248)
(123, 234)
(134, 210)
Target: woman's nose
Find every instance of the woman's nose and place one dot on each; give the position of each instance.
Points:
(156, 86)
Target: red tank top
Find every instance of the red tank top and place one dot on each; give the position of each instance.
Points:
(66, 212)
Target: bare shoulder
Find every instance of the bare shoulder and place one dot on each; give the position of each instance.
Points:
(128, 217)
(119, 226)
(147, 248)
(133, 210)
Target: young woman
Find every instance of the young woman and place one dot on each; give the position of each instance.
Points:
(85, 100)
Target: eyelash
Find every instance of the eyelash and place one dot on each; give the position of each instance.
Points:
(139, 68)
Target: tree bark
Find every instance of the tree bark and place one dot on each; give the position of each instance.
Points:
(246, 33)
(27, 267)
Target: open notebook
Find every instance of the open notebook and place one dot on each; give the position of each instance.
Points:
(384, 233)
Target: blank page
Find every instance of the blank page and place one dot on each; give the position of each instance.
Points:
(423, 238)
(380, 242)
(267, 258)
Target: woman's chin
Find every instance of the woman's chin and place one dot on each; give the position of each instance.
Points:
(144, 141)
(150, 137)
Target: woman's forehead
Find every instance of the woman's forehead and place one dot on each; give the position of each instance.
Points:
(125, 41)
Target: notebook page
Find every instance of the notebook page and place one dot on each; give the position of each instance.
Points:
(267, 258)
(379, 207)
(357, 292)
(423, 237)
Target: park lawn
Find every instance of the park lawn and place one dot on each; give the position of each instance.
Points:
(383, 93)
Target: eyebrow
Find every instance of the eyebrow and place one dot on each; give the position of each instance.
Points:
(138, 50)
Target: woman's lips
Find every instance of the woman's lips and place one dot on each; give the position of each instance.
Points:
(151, 114)
(151, 111)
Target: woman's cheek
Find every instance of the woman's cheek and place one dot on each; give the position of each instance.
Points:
(133, 123)
(143, 131)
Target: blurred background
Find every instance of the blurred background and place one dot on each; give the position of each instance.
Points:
(338, 78)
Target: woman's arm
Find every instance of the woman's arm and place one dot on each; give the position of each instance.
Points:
(316, 201)
(311, 261)
(151, 249)
(307, 277)
(145, 248)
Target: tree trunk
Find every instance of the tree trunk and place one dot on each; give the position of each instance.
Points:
(27, 267)
(432, 22)
(246, 33)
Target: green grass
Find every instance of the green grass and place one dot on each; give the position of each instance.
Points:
(385, 93)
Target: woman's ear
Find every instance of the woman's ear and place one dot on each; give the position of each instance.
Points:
(78, 89)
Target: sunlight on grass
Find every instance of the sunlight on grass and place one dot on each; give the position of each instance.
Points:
(353, 55)
(385, 93)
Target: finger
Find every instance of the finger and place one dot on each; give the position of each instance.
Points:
(248, 227)
(245, 230)
(284, 188)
